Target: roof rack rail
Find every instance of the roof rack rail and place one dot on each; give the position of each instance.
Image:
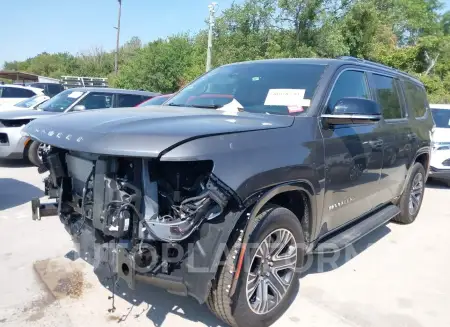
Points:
(373, 63)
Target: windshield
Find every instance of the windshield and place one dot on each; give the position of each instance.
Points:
(61, 101)
(32, 102)
(261, 87)
(441, 117)
(155, 101)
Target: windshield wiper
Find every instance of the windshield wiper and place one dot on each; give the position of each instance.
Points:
(206, 106)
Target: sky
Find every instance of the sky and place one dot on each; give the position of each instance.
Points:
(29, 27)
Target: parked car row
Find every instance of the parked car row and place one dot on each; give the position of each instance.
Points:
(14, 146)
(221, 191)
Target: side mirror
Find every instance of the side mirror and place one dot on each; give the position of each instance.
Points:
(79, 107)
(353, 111)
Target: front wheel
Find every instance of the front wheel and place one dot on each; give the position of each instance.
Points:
(270, 274)
(35, 153)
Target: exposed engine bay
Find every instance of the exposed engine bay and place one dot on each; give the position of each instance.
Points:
(142, 203)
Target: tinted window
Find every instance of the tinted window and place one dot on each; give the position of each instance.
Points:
(441, 117)
(14, 92)
(388, 97)
(264, 87)
(155, 101)
(129, 100)
(416, 98)
(54, 89)
(38, 85)
(97, 100)
(350, 84)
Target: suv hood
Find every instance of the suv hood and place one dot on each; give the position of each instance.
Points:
(441, 135)
(146, 131)
(25, 114)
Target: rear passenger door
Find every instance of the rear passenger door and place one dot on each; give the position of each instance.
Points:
(397, 135)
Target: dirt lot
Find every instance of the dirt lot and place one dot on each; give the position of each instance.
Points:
(396, 277)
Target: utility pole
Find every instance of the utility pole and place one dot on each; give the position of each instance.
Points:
(212, 11)
(116, 57)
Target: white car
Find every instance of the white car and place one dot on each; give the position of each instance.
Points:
(30, 103)
(440, 157)
(12, 94)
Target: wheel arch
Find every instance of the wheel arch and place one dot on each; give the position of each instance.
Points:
(423, 157)
(276, 195)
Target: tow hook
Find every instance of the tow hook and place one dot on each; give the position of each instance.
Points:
(46, 209)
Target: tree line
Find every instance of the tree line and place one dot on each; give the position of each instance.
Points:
(410, 35)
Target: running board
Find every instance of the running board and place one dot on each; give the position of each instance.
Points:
(356, 231)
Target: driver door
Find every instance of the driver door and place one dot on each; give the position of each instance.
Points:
(353, 157)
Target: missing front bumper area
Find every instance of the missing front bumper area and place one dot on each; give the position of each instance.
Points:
(43, 209)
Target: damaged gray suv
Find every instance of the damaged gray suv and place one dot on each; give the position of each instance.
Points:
(222, 191)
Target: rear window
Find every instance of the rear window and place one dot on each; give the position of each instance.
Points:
(416, 98)
(441, 117)
(15, 92)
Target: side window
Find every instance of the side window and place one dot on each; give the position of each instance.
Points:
(388, 97)
(13, 92)
(129, 100)
(97, 100)
(416, 98)
(54, 89)
(350, 84)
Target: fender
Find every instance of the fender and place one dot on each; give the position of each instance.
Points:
(264, 198)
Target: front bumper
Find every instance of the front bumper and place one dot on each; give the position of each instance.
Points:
(12, 143)
(440, 174)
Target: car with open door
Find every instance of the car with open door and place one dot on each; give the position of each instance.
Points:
(220, 192)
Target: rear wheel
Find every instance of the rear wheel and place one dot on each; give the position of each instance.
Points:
(411, 199)
(269, 277)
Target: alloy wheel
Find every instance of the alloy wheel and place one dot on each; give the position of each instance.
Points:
(416, 194)
(271, 271)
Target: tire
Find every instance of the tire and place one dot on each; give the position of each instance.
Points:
(32, 153)
(277, 223)
(406, 215)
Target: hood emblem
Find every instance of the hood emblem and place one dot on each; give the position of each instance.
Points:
(79, 139)
(68, 137)
(59, 135)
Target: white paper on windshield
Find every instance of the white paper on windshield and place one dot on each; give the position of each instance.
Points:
(286, 97)
(231, 108)
(75, 94)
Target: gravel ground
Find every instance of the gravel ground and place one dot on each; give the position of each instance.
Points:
(395, 277)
